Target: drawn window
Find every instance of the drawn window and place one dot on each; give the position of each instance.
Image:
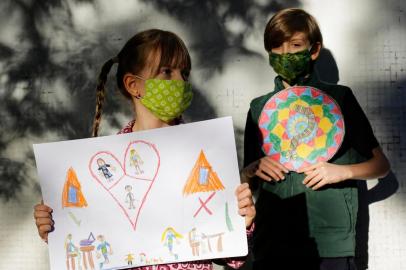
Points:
(203, 176)
(72, 195)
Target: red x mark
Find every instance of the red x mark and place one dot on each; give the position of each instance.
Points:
(204, 205)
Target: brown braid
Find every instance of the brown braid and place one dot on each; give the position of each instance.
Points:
(100, 94)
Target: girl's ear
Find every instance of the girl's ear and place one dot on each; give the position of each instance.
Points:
(131, 84)
(315, 50)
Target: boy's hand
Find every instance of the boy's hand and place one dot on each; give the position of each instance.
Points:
(43, 220)
(267, 169)
(246, 207)
(323, 173)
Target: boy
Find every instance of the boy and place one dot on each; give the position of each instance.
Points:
(306, 219)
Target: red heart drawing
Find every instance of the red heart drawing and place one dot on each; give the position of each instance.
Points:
(129, 182)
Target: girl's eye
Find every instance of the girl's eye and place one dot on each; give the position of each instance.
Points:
(166, 71)
(185, 74)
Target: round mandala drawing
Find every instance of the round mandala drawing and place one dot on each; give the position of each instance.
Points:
(300, 126)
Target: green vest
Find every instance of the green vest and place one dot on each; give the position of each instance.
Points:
(331, 212)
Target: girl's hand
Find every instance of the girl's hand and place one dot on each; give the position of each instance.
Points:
(246, 207)
(266, 168)
(43, 220)
(323, 173)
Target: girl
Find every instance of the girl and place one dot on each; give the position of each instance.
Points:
(149, 58)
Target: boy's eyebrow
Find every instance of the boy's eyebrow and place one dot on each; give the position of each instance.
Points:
(298, 39)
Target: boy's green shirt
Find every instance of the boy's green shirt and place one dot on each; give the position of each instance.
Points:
(312, 223)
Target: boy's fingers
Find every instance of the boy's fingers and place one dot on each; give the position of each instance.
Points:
(319, 185)
(314, 181)
(309, 177)
(268, 168)
(309, 168)
(263, 176)
(277, 164)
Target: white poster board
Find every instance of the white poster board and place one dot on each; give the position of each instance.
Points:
(150, 197)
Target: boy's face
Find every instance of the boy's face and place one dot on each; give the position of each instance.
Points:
(297, 43)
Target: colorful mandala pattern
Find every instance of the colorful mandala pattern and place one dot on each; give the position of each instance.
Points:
(300, 126)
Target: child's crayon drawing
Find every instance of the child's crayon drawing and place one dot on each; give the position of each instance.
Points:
(129, 186)
(144, 198)
(202, 242)
(202, 179)
(169, 238)
(72, 254)
(129, 258)
(87, 248)
(228, 219)
(72, 195)
(136, 161)
(74, 218)
(103, 249)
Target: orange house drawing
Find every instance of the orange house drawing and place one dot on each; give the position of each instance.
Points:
(202, 178)
(72, 195)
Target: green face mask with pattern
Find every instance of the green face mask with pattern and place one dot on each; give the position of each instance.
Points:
(290, 66)
(167, 99)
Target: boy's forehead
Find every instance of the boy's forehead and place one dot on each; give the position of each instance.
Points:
(298, 36)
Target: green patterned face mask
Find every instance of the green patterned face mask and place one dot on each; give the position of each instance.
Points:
(291, 65)
(167, 99)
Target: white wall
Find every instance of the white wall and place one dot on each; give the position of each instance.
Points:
(51, 52)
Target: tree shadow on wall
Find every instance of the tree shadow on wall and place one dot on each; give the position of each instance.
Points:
(50, 93)
(43, 95)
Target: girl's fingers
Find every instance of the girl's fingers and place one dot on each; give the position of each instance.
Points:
(42, 214)
(43, 221)
(243, 192)
(44, 230)
(42, 207)
(241, 188)
(244, 203)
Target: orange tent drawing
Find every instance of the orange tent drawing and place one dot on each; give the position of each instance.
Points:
(72, 195)
(202, 178)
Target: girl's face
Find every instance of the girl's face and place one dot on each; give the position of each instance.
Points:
(162, 73)
(135, 83)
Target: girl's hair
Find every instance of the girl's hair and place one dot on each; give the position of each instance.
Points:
(136, 54)
(285, 23)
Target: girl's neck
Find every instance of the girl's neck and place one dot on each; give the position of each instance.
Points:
(144, 119)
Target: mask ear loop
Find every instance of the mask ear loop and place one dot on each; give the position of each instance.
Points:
(141, 78)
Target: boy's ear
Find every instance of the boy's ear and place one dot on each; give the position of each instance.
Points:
(315, 50)
(131, 84)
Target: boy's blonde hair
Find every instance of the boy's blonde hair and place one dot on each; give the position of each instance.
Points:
(285, 23)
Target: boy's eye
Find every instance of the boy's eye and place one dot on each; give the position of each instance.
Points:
(166, 71)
